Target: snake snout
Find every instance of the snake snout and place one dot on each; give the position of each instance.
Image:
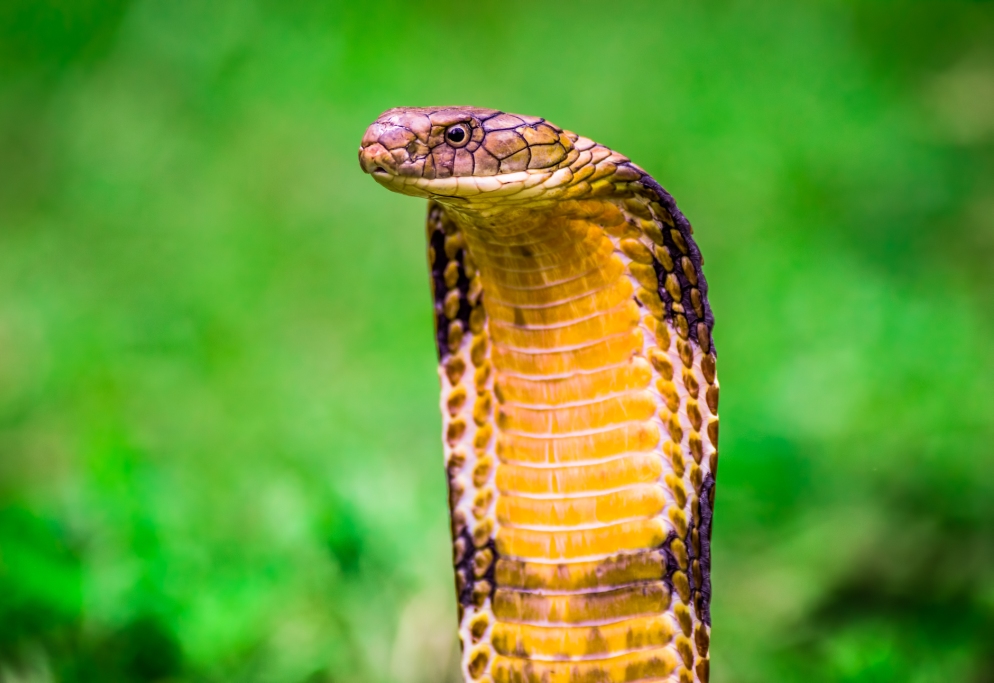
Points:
(388, 149)
(376, 159)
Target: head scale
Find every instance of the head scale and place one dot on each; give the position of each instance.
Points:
(445, 152)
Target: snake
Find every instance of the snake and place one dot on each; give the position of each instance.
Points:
(579, 397)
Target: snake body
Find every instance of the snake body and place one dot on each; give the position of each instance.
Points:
(579, 397)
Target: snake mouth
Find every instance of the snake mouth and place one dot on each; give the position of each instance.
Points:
(376, 160)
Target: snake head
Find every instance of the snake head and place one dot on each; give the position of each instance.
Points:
(453, 152)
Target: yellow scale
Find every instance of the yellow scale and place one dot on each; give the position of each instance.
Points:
(579, 497)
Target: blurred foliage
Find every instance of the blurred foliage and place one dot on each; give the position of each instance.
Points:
(219, 441)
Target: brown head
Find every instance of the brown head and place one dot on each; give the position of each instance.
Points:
(450, 152)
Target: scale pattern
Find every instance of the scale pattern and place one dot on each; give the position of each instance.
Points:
(579, 401)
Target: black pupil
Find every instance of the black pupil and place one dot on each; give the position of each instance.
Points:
(456, 134)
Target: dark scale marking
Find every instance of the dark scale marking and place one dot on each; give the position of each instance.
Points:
(655, 192)
(439, 223)
(660, 289)
(437, 242)
(672, 565)
(707, 514)
(691, 556)
(465, 596)
(701, 595)
(462, 284)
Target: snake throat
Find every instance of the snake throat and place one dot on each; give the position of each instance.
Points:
(579, 399)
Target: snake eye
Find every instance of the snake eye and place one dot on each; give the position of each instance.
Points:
(457, 135)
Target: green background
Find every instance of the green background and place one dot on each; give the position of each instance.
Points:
(219, 437)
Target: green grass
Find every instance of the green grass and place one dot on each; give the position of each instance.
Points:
(219, 443)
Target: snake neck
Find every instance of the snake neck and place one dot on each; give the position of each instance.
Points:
(581, 567)
(536, 257)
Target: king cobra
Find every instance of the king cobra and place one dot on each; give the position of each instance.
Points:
(579, 397)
